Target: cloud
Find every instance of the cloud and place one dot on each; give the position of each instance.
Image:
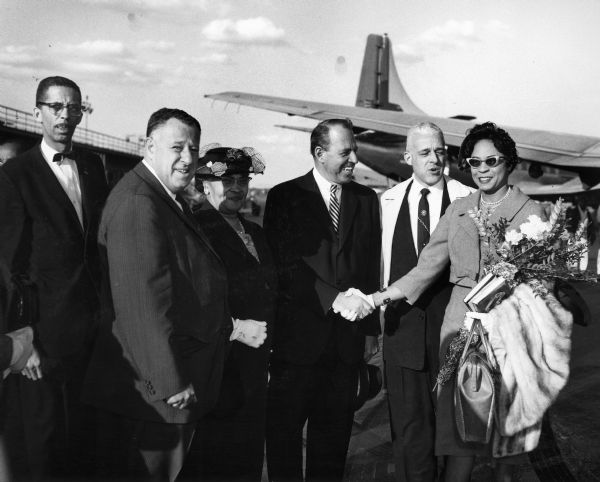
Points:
(94, 60)
(214, 58)
(451, 36)
(93, 48)
(278, 138)
(407, 54)
(173, 11)
(258, 31)
(156, 45)
(152, 6)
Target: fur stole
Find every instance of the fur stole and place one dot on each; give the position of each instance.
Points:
(531, 340)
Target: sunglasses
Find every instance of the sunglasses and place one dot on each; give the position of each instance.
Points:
(491, 161)
(57, 108)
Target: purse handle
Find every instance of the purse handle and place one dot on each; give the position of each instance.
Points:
(477, 329)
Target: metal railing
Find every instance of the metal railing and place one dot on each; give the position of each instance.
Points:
(24, 121)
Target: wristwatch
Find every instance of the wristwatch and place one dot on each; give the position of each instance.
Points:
(385, 301)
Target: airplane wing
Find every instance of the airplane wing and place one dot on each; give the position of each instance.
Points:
(546, 147)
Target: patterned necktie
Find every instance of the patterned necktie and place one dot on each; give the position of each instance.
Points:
(334, 206)
(423, 216)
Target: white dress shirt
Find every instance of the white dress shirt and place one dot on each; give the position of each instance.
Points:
(325, 188)
(436, 193)
(67, 175)
(167, 190)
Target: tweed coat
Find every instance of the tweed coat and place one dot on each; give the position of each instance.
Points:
(456, 241)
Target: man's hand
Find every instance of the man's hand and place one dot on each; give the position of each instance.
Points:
(371, 347)
(182, 399)
(33, 369)
(249, 332)
(351, 306)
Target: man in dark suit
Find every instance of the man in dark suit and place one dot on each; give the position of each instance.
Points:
(50, 202)
(324, 231)
(158, 362)
(410, 211)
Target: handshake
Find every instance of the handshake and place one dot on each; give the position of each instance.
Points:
(353, 304)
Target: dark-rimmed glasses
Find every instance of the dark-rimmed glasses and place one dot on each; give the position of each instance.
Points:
(57, 108)
(491, 161)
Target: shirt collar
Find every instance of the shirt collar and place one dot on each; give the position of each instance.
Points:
(48, 152)
(151, 169)
(418, 185)
(324, 184)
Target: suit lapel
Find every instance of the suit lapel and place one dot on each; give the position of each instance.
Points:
(348, 209)
(314, 201)
(84, 186)
(230, 237)
(508, 209)
(151, 180)
(467, 235)
(53, 187)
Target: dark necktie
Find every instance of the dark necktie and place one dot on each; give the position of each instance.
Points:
(60, 156)
(334, 207)
(423, 217)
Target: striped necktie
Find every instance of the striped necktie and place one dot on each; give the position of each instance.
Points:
(334, 206)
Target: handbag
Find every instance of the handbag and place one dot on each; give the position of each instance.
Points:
(475, 390)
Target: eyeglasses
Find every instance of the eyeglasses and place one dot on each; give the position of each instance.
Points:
(232, 181)
(57, 108)
(491, 161)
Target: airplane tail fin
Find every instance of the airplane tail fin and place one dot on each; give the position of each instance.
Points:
(380, 86)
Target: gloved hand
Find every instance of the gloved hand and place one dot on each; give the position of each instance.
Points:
(249, 332)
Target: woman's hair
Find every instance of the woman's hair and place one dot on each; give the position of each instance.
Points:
(499, 137)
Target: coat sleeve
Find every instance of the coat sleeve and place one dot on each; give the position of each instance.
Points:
(370, 325)
(295, 269)
(140, 263)
(12, 226)
(432, 262)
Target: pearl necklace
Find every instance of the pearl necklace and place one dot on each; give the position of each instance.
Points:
(495, 203)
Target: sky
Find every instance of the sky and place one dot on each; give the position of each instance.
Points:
(532, 64)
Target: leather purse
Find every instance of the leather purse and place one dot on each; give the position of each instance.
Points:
(475, 389)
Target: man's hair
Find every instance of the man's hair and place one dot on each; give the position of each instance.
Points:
(423, 126)
(499, 137)
(161, 116)
(320, 134)
(55, 81)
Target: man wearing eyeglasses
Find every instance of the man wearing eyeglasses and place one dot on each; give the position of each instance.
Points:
(50, 202)
(410, 212)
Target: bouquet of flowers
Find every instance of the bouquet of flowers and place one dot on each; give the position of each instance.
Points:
(539, 253)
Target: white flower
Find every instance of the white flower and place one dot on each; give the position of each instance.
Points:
(513, 237)
(534, 228)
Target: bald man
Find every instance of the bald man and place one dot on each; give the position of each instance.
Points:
(410, 212)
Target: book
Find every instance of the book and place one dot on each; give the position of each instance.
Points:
(487, 293)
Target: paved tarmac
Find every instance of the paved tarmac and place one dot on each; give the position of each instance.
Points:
(569, 448)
